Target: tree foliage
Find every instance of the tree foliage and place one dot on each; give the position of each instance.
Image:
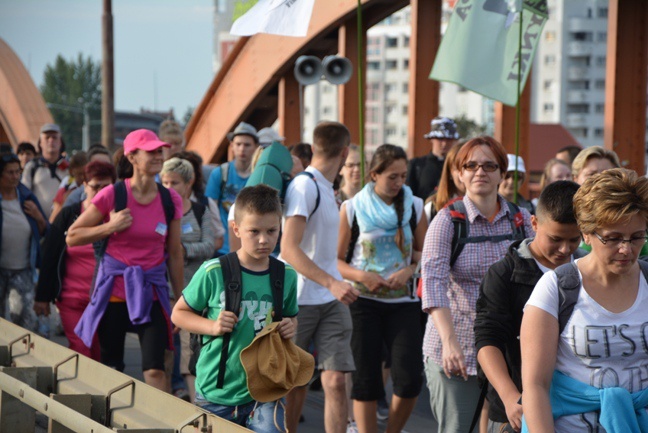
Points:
(469, 128)
(73, 84)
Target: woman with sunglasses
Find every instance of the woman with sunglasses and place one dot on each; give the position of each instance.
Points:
(596, 367)
(23, 223)
(450, 292)
(66, 274)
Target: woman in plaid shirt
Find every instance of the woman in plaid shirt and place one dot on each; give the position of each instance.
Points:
(450, 293)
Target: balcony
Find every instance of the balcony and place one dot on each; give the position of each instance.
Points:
(578, 72)
(582, 24)
(576, 120)
(577, 96)
(579, 48)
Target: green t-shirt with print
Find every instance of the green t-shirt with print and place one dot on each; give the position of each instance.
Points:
(206, 290)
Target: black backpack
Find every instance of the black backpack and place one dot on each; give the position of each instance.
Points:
(461, 235)
(232, 280)
(461, 225)
(569, 284)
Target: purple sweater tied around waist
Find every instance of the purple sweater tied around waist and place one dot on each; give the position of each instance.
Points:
(138, 286)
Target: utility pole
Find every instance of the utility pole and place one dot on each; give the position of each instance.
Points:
(107, 78)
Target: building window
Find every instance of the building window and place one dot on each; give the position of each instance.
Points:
(599, 84)
(548, 108)
(406, 64)
(390, 130)
(579, 84)
(406, 41)
(582, 36)
(373, 91)
(373, 66)
(547, 84)
(599, 108)
(550, 60)
(404, 110)
(598, 132)
(391, 64)
(326, 110)
(600, 61)
(391, 42)
(579, 132)
(390, 87)
(550, 36)
(602, 12)
(577, 108)
(601, 36)
(405, 87)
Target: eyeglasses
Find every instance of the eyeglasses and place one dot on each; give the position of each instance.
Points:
(352, 165)
(97, 187)
(488, 167)
(636, 241)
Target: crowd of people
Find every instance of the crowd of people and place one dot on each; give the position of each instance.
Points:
(518, 315)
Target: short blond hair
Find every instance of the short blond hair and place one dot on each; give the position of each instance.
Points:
(593, 152)
(170, 130)
(611, 197)
(180, 166)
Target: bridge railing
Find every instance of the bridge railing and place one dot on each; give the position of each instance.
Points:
(78, 394)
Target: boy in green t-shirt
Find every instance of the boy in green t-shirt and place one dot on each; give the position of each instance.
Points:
(256, 223)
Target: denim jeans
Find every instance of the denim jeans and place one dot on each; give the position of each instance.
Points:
(258, 417)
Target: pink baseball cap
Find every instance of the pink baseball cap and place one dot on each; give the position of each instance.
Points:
(142, 139)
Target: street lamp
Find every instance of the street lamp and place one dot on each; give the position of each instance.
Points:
(85, 129)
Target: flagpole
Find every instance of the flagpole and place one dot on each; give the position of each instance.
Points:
(361, 129)
(517, 112)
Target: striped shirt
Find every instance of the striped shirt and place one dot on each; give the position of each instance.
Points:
(458, 288)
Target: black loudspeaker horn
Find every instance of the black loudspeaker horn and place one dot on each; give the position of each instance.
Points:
(337, 70)
(308, 70)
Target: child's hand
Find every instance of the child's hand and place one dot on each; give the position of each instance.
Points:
(225, 323)
(287, 328)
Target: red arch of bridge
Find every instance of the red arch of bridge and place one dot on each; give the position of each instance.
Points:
(22, 108)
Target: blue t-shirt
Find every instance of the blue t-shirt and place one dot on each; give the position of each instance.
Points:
(235, 183)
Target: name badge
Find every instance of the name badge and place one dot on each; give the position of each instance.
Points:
(161, 229)
(186, 228)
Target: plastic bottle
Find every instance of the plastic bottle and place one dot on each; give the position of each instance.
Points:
(44, 326)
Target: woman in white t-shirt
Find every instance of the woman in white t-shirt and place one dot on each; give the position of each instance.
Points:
(382, 229)
(602, 351)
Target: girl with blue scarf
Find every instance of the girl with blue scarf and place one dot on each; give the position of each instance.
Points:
(377, 253)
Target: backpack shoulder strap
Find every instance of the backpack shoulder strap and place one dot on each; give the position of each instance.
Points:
(167, 203)
(461, 228)
(317, 199)
(231, 270)
(198, 210)
(643, 265)
(120, 196)
(517, 221)
(277, 274)
(413, 221)
(568, 289)
(355, 234)
(224, 175)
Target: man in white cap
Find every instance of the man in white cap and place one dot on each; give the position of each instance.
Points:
(229, 178)
(507, 187)
(423, 173)
(43, 175)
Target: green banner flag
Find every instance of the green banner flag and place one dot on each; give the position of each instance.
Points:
(481, 47)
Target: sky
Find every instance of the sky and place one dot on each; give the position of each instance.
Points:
(162, 48)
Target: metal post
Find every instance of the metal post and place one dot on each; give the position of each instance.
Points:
(107, 78)
(86, 129)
